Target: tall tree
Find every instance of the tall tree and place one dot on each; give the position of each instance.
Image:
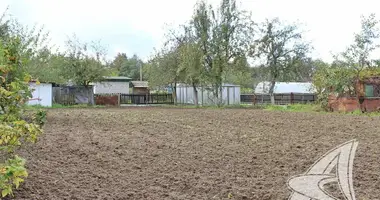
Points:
(130, 67)
(280, 46)
(84, 62)
(119, 61)
(168, 66)
(33, 42)
(163, 69)
(190, 65)
(357, 55)
(223, 35)
(47, 66)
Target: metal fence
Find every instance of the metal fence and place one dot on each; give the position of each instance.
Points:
(146, 99)
(280, 99)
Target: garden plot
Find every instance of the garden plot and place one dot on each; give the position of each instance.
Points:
(166, 153)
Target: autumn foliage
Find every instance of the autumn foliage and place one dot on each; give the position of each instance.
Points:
(15, 128)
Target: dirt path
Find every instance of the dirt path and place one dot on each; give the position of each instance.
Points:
(141, 153)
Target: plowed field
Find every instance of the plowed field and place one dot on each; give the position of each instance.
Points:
(157, 153)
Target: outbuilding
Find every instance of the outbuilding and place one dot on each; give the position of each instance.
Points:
(42, 94)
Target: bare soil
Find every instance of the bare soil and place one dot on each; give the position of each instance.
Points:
(157, 153)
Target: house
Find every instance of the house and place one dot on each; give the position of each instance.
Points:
(286, 88)
(367, 97)
(42, 94)
(112, 85)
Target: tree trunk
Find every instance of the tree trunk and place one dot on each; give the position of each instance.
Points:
(271, 90)
(174, 92)
(195, 95)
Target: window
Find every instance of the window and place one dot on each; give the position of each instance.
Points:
(369, 92)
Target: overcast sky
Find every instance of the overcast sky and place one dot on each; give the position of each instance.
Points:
(137, 26)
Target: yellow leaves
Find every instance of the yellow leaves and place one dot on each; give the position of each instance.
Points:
(23, 173)
(20, 122)
(12, 173)
(13, 130)
(366, 73)
(6, 191)
(38, 82)
(27, 78)
(17, 181)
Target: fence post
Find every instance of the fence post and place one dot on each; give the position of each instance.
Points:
(228, 95)
(291, 98)
(118, 99)
(233, 89)
(202, 94)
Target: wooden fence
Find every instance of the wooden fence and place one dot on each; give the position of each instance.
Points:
(280, 99)
(112, 99)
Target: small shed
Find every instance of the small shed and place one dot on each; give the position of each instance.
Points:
(140, 87)
(230, 94)
(42, 94)
(112, 85)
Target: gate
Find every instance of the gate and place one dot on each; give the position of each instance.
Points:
(146, 99)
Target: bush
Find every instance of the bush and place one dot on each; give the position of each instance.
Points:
(15, 127)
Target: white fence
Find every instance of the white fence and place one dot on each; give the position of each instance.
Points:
(230, 94)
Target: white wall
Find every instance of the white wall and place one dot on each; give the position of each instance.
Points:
(111, 87)
(43, 92)
(185, 95)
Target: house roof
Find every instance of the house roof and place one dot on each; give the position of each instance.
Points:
(371, 80)
(117, 78)
(140, 84)
(284, 87)
(224, 85)
(35, 81)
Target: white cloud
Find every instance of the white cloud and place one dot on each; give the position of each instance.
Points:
(137, 26)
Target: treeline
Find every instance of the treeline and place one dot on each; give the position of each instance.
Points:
(217, 45)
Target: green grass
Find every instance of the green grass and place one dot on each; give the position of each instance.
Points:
(314, 108)
(190, 106)
(311, 108)
(295, 108)
(63, 106)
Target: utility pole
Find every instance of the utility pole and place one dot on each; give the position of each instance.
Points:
(140, 70)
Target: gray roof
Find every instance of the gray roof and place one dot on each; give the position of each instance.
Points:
(224, 85)
(285, 87)
(117, 77)
(140, 84)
